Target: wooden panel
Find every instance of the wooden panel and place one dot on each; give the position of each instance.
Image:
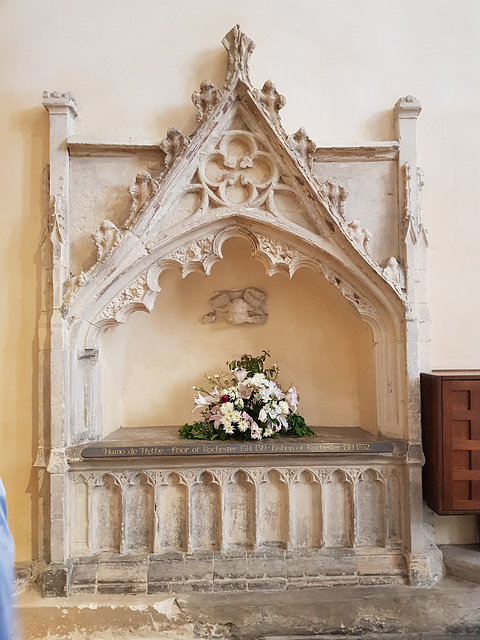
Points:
(461, 444)
(431, 388)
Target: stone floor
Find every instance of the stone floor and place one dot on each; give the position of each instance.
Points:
(449, 609)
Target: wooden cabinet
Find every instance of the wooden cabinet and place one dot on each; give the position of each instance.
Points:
(451, 441)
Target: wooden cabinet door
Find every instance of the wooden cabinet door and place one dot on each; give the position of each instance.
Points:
(461, 444)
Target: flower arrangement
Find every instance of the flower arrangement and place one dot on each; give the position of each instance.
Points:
(246, 403)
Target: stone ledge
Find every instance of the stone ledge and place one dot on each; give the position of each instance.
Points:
(462, 561)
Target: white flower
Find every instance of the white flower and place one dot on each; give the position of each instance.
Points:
(284, 408)
(240, 374)
(242, 425)
(257, 380)
(267, 433)
(200, 401)
(262, 416)
(292, 398)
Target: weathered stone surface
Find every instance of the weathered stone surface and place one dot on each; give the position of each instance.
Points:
(229, 585)
(122, 572)
(248, 178)
(84, 574)
(55, 581)
(167, 569)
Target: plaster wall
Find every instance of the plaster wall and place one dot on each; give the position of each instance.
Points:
(132, 68)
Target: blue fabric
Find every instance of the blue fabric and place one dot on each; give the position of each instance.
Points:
(7, 555)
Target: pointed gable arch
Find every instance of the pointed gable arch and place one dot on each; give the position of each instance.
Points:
(241, 173)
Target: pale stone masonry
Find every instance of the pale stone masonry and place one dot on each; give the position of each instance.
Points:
(350, 214)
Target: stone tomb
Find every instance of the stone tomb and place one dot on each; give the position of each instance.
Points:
(134, 508)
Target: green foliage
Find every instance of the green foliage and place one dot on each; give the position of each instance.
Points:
(297, 426)
(255, 364)
(201, 431)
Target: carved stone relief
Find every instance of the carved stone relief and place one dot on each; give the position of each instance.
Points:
(303, 147)
(238, 173)
(106, 239)
(239, 48)
(206, 100)
(243, 306)
(413, 225)
(142, 192)
(393, 272)
(271, 100)
(134, 294)
(360, 236)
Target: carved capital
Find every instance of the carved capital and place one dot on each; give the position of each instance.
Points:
(408, 107)
(60, 103)
(239, 48)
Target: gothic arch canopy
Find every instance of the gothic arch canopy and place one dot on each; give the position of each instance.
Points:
(350, 214)
(237, 173)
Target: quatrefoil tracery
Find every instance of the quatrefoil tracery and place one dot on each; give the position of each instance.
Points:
(237, 172)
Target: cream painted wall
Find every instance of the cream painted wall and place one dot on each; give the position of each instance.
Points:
(314, 335)
(133, 66)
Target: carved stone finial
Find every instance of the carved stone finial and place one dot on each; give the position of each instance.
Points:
(271, 100)
(141, 192)
(334, 195)
(239, 48)
(172, 146)
(205, 100)
(303, 146)
(360, 236)
(408, 107)
(106, 239)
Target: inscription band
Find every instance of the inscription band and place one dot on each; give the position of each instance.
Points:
(232, 448)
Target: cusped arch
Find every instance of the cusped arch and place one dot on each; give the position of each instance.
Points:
(279, 249)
